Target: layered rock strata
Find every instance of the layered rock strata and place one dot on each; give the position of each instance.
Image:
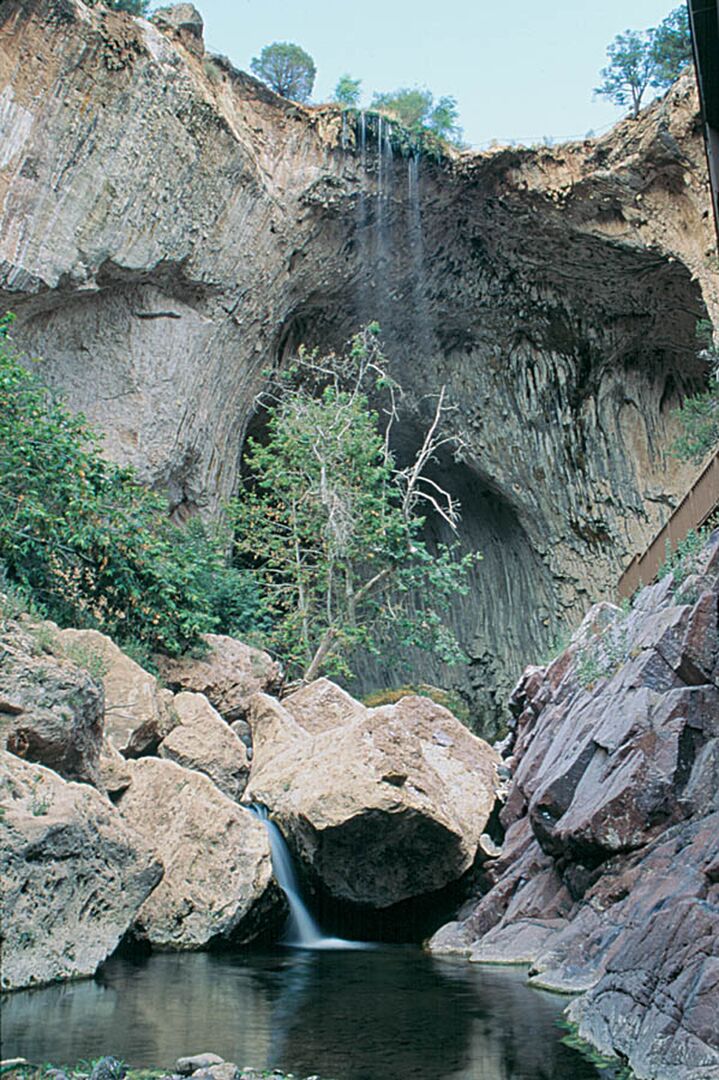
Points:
(170, 228)
(380, 805)
(607, 880)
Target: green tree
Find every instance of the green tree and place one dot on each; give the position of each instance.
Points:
(630, 70)
(699, 414)
(335, 525)
(417, 110)
(648, 59)
(287, 69)
(92, 546)
(133, 7)
(671, 47)
(347, 91)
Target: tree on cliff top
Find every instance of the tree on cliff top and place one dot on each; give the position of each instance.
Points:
(132, 7)
(287, 69)
(334, 526)
(640, 60)
(417, 110)
(347, 91)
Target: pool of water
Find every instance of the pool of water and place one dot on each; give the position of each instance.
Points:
(388, 1013)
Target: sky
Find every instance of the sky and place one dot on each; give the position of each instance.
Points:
(519, 70)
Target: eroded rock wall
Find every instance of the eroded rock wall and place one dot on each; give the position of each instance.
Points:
(607, 881)
(170, 229)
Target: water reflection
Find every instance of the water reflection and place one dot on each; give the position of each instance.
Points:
(390, 1012)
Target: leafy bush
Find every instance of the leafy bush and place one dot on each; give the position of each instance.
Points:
(90, 544)
(416, 109)
(335, 527)
(682, 561)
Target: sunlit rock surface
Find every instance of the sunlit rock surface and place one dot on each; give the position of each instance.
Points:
(381, 805)
(203, 741)
(51, 709)
(74, 875)
(169, 228)
(218, 883)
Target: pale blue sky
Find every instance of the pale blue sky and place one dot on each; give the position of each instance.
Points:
(519, 70)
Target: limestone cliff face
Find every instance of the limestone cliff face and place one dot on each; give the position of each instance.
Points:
(170, 228)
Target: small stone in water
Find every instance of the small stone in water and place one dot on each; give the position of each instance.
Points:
(186, 1066)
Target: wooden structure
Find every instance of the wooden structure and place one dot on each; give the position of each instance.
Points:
(704, 23)
(696, 508)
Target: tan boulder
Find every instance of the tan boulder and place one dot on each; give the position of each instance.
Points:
(228, 675)
(138, 713)
(115, 770)
(203, 741)
(51, 709)
(218, 874)
(74, 875)
(382, 804)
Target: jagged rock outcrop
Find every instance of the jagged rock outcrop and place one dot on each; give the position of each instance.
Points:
(170, 228)
(381, 805)
(74, 875)
(51, 710)
(608, 879)
(218, 883)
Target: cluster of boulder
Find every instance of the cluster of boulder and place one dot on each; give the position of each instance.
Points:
(124, 797)
(608, 878)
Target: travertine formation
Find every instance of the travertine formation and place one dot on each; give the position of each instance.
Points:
(608, 879)
(169, 228)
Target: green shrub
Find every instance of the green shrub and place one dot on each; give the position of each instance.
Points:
(682, 561)
(90, 544)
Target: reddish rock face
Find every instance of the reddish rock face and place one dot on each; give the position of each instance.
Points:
(608, 881)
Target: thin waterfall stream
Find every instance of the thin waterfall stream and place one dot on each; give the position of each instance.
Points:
(302, 930)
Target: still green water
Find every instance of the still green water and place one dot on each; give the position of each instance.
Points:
(387, 1013)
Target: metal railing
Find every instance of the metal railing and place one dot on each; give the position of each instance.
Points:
(695, 509)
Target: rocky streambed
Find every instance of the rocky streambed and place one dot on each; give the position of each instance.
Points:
(589, 849)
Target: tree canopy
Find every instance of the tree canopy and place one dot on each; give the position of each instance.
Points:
(646, 59)
(417, 110)
(699, 414)
(132, 7)
(287, 69)
(89, 545)
(347, 91)
(334, 526)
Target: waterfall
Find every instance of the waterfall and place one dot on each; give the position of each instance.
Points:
(302, 931)
(418, 264)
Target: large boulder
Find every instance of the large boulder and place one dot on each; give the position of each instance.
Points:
(381, 804)
(203, 741)
(138, 712)
(228, 675)
(218, 875)
(51, 709)
(74, 875)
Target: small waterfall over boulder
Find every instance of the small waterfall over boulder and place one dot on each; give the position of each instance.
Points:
(302, 930)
